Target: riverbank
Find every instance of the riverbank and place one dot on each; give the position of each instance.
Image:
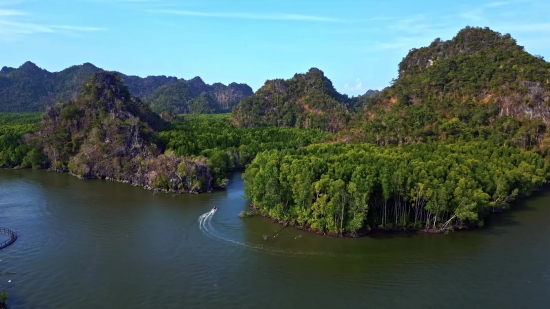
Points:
(365, 232)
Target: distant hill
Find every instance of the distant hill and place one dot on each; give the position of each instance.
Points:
(305, 101)
(195, 97)
(30, 88)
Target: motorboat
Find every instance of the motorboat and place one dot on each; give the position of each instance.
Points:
(215, 208)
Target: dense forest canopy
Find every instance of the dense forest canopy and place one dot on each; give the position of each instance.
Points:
(14, 151)
(349, 189)
(214, 137)
(30, 88)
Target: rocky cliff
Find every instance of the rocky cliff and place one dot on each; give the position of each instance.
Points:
(106, 133)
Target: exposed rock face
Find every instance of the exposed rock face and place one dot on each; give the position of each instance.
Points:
(532, 102)
(372, 93)
(105, 133)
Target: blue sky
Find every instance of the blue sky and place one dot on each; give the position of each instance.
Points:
(358, 44)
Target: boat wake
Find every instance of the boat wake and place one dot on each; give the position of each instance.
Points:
(205, 225)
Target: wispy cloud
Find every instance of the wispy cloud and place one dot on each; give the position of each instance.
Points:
(4, 13)
(238, 15)
(479, 13)
(76, 28)
(14, 23)
(497, 4)
(501, 16)
(12, 28)
(357, 87)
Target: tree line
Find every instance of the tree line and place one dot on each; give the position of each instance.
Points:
(349, 189)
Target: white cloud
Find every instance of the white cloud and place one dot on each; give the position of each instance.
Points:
(272, 16)
(12, 26)
(501, 16)
(4, 13)
(76, 28)
(496, 4)
(357, 87)
(480, 12)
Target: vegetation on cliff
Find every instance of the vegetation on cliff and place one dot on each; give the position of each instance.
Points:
(106, 133)
(342, 189)
(30, 88)
(479, 85)
(305, 101)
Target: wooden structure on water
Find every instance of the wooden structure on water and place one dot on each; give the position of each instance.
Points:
(11, 240)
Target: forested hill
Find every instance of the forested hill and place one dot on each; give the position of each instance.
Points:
(30, 88)
(480, 84)
(195, 97)
(107, 133)
(305, 101)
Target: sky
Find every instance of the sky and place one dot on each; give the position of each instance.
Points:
(358, 44)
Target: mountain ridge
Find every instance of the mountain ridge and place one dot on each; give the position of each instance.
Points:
(30, 88)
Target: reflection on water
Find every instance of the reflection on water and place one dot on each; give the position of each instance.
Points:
(89, 244)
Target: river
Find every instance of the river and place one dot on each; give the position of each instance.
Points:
(100, 244)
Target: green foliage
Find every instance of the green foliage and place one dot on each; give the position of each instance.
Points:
(3, 296)
(339, 188)
(196, 97)
(14, 152)
(478, 86)
(306, 101)
(106, 133)
(20, 118)
(227, 147)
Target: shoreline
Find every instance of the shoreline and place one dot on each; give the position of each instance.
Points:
(377, 231)
(256, 212)
(365, 233)
(106, 178)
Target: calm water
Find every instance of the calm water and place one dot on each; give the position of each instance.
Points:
(99, 244)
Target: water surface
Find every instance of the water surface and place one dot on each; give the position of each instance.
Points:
(100, 244)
